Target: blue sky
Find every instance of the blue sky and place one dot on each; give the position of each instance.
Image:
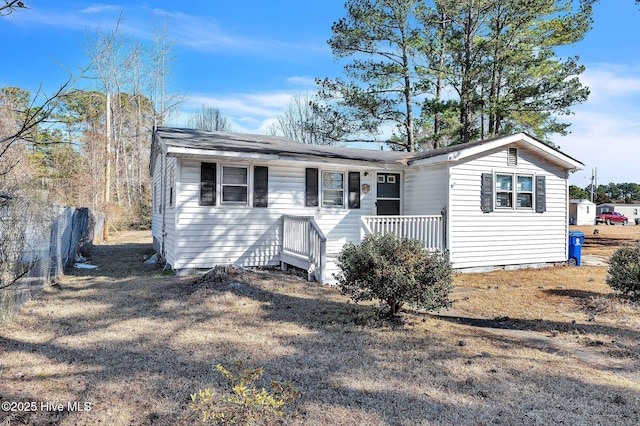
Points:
(249, 57)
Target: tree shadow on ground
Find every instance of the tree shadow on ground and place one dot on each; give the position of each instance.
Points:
(581, 294)
(356, 368)
(539, 325)
(341, 349)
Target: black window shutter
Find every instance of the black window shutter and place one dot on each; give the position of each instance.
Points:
(208, 184)
(541, 194)
(260, 186)
(354, 190)
(311, 188)
(487, 192)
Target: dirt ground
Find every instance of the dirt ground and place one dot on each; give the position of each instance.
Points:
(126, 344)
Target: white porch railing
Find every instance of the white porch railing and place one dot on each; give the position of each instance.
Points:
(304, 245)
(428, 229)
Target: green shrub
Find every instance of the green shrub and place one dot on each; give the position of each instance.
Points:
(624, 270)
(395, 271)
(243, 403)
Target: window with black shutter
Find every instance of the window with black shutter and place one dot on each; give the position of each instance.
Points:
(311, 188)
(354, 190)
(260, 186)
(208, 184)
(541, 194)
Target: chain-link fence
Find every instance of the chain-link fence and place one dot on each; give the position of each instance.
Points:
(36, 243)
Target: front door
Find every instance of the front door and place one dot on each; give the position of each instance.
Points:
(388, 194)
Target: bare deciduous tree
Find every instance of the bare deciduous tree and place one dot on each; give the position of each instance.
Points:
(132, 76)
(300, 121)
(211, 119)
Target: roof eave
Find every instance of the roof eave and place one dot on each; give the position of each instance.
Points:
(184, 152)
(541, 148)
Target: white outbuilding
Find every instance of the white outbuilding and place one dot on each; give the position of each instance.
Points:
(582, 212)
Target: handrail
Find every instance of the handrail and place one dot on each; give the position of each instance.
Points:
(303, 238)
(317, 250)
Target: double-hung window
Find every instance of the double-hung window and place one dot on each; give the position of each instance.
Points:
(524, 192)
(235, 185)
(332, 189)
(230, 185)
(504, 191)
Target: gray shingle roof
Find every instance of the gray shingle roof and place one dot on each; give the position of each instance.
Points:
(238, 142)
(275, 145)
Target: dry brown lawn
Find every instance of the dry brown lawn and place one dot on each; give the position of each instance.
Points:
(527, 347)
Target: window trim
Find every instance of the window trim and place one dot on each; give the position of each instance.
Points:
(510, 192)
(532, 192)
(514, 192)
(245, 185)
(341, 190)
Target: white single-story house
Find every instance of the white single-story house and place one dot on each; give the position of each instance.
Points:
(632, 211)
(253, 200)
(582, 212)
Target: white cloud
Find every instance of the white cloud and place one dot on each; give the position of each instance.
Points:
(248, 112)
(605, 131)
(201, 33)
(99, 8)
(254, 104)
(206, 34)
(609, 81)
(303, 81)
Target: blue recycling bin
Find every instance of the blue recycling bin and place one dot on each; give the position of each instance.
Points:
(576, 241)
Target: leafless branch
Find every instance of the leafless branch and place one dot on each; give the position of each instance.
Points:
(10, 5)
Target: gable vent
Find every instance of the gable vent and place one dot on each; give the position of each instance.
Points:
(512, 157)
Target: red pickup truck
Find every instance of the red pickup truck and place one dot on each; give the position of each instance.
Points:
(612, 218)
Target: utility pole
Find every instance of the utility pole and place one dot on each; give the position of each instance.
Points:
(594, 183)
(107, 171)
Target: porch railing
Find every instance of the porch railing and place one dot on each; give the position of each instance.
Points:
(428, 229)
(304, 245)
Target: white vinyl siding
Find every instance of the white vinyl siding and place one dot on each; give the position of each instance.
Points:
(170, 210)
(156, 216)
(209, 235)
(509, 236)
(163, 217)
(426, 190)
